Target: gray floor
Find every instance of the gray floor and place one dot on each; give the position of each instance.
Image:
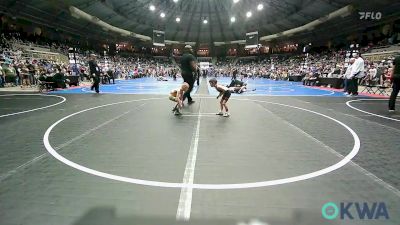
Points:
(144, 140)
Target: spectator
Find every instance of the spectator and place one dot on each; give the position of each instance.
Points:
(31, 73)
(18, 75)
(8, 74)
(25, 77)
(111, 75)
(2, 77)
(348, 77)
(59, 79)
(396, 83)
(357, 71)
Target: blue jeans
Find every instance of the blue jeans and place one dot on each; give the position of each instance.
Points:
(345, 83)
(2, 81)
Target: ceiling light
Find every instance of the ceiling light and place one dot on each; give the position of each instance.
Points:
(178, 19)
(205, 21)
(235, 1)
(152, 7)
(260, 6)
(162, 15)
(233, 19)
(175, 1)
(248, 14)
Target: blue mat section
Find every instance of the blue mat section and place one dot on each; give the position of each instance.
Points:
(266, 87)
(136, 86)
(263, 87)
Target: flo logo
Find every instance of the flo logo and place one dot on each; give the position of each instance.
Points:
(370, 15)
(355, 210)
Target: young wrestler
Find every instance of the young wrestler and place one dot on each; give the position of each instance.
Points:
(238, 87)
(225, 93)
(177, 96)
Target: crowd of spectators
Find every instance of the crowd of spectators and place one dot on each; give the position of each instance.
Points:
(16, 70)
(281, 67)
(19, 70)
(309, 67)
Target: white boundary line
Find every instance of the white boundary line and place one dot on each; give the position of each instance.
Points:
(302, 177)
(360, 100)
(31, 110)
(331, 150)
(199, 115)
(269, 90)
(185, 198)
(63, 145)
(202, 114)
(18, 168)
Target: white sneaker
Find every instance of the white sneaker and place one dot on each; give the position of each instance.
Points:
(226, 115)
(219, 114)
(391, 110)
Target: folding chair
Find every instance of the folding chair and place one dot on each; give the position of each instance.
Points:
(45, 86)
(369, 86)
(382, 90)
(369, 89)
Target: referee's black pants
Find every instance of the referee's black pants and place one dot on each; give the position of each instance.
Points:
(352, 86)
(96, 82)
(190, 81)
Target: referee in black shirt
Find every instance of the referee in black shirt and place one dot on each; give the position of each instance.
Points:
(234, 74)
(94, 72)
(396, 83)
(188, 71)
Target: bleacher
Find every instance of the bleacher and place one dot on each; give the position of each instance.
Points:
(386, 48)
(204, 59)
(33, 51)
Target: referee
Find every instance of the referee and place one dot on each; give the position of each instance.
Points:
(94, 72)
(188, 71)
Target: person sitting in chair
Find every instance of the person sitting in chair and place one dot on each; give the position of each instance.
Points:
(59, 79)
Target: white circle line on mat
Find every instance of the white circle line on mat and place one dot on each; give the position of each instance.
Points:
(35, 109)
(338, 165)
(373, 114)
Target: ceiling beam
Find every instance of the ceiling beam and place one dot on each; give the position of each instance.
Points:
(170, 15)
(212, 25)
(201, 23)
(189, 26)
(218, 12)
(232, 28)
(179, 27)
